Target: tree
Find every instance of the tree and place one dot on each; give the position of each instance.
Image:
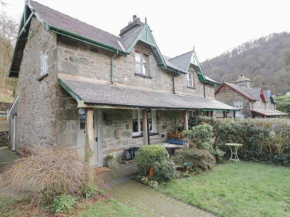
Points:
(8, 35)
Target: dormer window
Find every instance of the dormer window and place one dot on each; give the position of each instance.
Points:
(141, 63)
(190, 81)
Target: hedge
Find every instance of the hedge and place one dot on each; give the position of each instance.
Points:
(264, 140)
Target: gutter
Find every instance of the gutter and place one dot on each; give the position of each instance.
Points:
(112, 66)
(83, 39)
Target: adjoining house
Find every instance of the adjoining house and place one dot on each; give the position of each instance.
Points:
(252, 102)
(77, 81)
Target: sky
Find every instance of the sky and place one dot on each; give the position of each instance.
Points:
(211, 26)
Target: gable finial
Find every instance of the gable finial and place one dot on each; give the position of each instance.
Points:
(146, 20)
(193, 48)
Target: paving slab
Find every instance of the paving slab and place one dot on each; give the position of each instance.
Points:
(150, 202)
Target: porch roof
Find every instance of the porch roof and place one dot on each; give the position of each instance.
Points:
(267, 113)
(92, 93)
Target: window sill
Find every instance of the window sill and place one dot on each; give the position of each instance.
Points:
(42, 77)
(141, 135)
(144, 76)
(191, 87)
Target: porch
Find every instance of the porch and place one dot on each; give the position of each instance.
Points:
(112, 118)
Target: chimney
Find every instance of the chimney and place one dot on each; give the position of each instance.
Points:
(243, 81)
(131, 25)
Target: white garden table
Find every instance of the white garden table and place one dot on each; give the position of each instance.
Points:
(234, 151)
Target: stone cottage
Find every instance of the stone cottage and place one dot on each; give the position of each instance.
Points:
(252, 102)
(78, 83)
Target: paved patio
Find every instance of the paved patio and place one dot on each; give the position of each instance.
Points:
(147, 200)
(6, 157)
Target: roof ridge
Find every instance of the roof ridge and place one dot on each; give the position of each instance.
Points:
(180, 55)
(117, 37)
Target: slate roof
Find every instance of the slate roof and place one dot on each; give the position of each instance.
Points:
(128, 38)
(182, 60)
(57, 21)
(112, 95)
(255, 92)
(242, 90)
(268, 113)
(65, 22)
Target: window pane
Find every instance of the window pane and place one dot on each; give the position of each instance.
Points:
(138, 68)
(144, 69)
(145, 58)
(135, 125)
(137, 57)
(83, 121)
(150, 125)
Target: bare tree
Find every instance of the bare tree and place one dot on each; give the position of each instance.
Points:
(8, 35)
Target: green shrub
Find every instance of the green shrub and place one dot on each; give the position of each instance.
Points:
(88, 190)
(264, 140)
(147, 155)
(63, 204)
(194, 158)
(164, 170)
(201, 136)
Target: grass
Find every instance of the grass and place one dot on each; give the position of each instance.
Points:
(111, 208)
(237, 189)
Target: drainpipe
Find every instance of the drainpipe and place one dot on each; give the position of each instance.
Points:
(112, 66)
(204, 90)
(173, 81)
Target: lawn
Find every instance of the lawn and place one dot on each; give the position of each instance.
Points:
(237, 189)
(111, 208)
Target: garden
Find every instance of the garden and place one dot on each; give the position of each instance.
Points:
(202, 176)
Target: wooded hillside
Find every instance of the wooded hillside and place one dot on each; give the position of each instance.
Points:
(266, 61)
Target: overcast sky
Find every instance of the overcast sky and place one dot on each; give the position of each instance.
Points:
(212, 26)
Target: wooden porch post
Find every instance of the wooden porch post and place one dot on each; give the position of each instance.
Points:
(145, 128)
(185, 120)
(234, 112)
(90, 136)
(224, 114)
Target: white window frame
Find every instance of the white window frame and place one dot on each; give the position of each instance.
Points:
(239, 104)
(139, 118)
(190, 82)
(44, 63)
(143, 65)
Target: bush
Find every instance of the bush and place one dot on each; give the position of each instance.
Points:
(195, 158)
(63, 204)
(164, 170)
(88, 190)
(201, 137)
(47, 173)
(264, 140)
(148, 155)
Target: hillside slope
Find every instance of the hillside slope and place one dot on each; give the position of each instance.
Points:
(266, 61)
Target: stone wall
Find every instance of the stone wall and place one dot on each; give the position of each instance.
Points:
(66, 119)
(228, 96)
(198, 89)
(122, 120)
(37, 99)
(83, 60)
